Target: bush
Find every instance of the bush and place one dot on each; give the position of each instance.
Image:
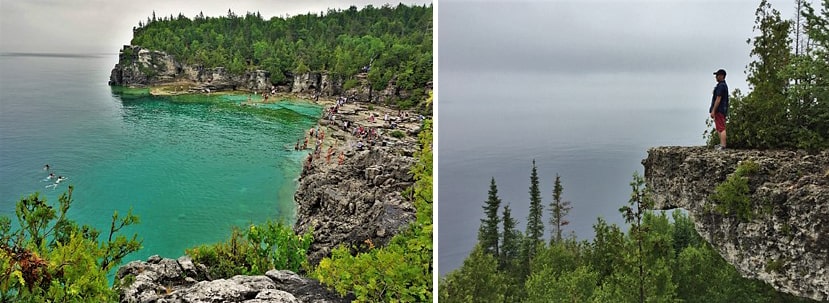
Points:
(397, 134)
(350, 83)
(733, 194)
(254, 251)
(51, 259)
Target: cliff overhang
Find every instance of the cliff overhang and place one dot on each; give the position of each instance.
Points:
(785, 239)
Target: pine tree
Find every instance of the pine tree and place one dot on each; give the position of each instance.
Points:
(488, 232)
(633, 212)
(535, 227)
(558, 210)
(510, 240)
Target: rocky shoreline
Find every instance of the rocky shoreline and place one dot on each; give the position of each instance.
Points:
(350, 192)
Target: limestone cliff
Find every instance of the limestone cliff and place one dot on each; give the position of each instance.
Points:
(786, 241)
(139, 67)
(359, 200)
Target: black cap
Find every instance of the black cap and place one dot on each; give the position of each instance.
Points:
(720, 72)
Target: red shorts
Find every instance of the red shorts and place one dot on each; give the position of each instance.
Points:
(719, 122)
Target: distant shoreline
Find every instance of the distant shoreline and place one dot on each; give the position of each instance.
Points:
(56, 55)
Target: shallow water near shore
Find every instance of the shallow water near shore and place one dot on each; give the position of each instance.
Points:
(190, 166)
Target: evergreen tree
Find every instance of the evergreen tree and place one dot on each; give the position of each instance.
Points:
(535, 227)
(488, 232)
(558, 210)
(510, 240)
(639, 201)
(759, 119)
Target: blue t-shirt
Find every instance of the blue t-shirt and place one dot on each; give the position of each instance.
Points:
(720, 90)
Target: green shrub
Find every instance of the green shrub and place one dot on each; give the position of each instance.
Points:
(350, 83)
(733, 194)
(51, 259)
(397, 134)
(254, 251)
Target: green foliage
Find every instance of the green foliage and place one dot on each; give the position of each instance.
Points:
(478, 280)
(733, 196)
(393, 42)
(254, 251)
(51, 259)
(558, 210)
(658, 260)
(535, 227)
(774, 265)
(350, 83)
(576, 285)
(397, 134)
(402, 270)
(488, 232)
(788, 106)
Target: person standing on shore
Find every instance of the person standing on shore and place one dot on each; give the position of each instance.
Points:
(719, 106)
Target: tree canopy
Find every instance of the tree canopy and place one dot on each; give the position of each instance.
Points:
(788, 102)
(389, 43)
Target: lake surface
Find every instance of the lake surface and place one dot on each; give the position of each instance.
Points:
(191, 166)
(592, 130)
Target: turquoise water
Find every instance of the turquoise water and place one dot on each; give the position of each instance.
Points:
(190, 166)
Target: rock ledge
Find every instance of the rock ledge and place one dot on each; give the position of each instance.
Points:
(786, 243)
(163, 280)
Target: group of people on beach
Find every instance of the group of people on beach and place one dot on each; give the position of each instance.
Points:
(51, 176)
(318, 134)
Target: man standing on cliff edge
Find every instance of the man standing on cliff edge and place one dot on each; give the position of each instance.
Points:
(719, 106)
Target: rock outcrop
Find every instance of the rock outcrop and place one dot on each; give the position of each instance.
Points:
(163, 280)
(139, 67)
(786, 241)
(359, 201)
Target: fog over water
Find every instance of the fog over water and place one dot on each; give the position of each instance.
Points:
(582, 87)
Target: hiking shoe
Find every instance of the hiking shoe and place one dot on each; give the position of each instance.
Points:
(719, 147)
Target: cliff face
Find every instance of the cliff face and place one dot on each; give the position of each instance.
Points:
(139, 67)
(359, 200)
(786, 241)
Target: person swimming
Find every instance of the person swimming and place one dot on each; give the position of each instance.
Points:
(46, 167)
(57, 181)
(51, 175)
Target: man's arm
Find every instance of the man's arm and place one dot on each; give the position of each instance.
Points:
(716, 105)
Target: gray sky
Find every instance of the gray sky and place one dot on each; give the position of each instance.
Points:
(103, 26)
(626, 38)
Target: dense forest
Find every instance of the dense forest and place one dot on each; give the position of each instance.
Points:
(788, 102)
(659, 258)
(389, 43)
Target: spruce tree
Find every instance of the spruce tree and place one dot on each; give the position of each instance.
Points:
(488, 232)
(558, 210)
(535, 227)
(510, 240)
(633, 213)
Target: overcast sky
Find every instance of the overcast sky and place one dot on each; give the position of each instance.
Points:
(103, 26)
(630, 38)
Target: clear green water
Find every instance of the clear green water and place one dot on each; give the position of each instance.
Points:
(190, 166)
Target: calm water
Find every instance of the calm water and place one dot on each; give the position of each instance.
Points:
(593, 132)
(190, 167)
